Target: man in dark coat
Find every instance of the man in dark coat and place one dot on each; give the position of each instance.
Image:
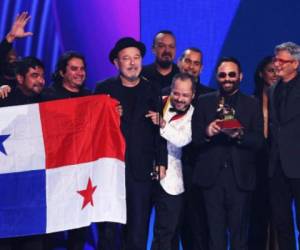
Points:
(136, 96)
(284, 164)
(225, 166)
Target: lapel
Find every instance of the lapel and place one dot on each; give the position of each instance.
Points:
(273, 114)
(293, 102)
(239, 105)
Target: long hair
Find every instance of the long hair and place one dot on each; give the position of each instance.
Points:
(258, 80)
(61, 65)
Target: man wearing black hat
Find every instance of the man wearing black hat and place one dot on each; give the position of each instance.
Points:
(137, 97)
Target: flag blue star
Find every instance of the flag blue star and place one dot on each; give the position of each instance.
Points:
(2, 139)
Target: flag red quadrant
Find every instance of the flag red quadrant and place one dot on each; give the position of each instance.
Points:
(74, 133)
(61, 166)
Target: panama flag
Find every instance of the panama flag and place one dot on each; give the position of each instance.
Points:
(61, 166)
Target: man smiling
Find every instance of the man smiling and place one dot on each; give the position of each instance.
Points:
(136, 96)
(225, 166)
(284, 171)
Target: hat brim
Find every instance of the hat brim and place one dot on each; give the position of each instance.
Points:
(126, 44)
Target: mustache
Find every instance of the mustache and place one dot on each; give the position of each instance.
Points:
(228, 81)
(167, 54)
(180, 102)
(130, 68)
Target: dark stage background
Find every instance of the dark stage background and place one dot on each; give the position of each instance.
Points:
(246, 29)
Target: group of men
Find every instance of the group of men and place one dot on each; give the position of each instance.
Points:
(175, 133)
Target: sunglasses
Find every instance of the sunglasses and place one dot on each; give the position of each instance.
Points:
(231, 74)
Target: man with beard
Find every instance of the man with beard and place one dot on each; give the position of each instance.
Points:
(175, 127)
(8, 56)
(162, 71)
(136, 96)
(225, 167)
(31, 81)
(284, 171)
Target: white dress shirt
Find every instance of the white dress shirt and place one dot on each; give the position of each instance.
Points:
(178, 133)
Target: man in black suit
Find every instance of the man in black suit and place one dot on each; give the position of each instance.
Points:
(284, 171)
(225, 164)
(136, 96)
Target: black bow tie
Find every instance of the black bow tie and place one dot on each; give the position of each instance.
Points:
(178, 112)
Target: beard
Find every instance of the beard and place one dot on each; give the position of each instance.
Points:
(229, 91)
(165, 63)
(132, 78)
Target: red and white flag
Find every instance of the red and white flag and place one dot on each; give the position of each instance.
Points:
(61, 166)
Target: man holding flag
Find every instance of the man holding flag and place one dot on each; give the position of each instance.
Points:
(136, 96)
(62, 164)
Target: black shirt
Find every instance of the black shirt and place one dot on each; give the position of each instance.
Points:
(281, 94)
(150, 72)
(127, 96)
(58, 92)
(141, 136)
(16, 97)
(225, 141)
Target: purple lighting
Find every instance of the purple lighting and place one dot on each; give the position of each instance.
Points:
(92, 28)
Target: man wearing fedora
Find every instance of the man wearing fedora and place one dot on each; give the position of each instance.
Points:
(137, 97)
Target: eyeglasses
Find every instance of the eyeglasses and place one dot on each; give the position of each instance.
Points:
(281, 61)
(231, 74)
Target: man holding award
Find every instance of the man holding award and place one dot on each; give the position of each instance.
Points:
(227, 128)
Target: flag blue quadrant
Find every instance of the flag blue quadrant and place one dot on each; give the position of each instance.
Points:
(23, 203)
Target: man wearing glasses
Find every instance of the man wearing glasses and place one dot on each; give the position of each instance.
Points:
(227, 128)
(284, 171)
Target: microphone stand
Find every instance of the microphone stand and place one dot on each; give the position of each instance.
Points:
(155, 174)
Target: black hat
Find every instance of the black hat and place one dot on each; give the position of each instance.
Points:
(123, 43)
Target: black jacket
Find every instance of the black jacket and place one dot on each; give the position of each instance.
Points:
(160, 81)
(16, 97)
(285, 135)
(56, 92)
(243, 152)
(143, 148)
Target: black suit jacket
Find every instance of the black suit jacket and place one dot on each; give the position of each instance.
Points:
(285, 135)
(144, 147)
(209, 159)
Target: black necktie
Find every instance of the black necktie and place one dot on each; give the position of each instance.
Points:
(179, 112)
